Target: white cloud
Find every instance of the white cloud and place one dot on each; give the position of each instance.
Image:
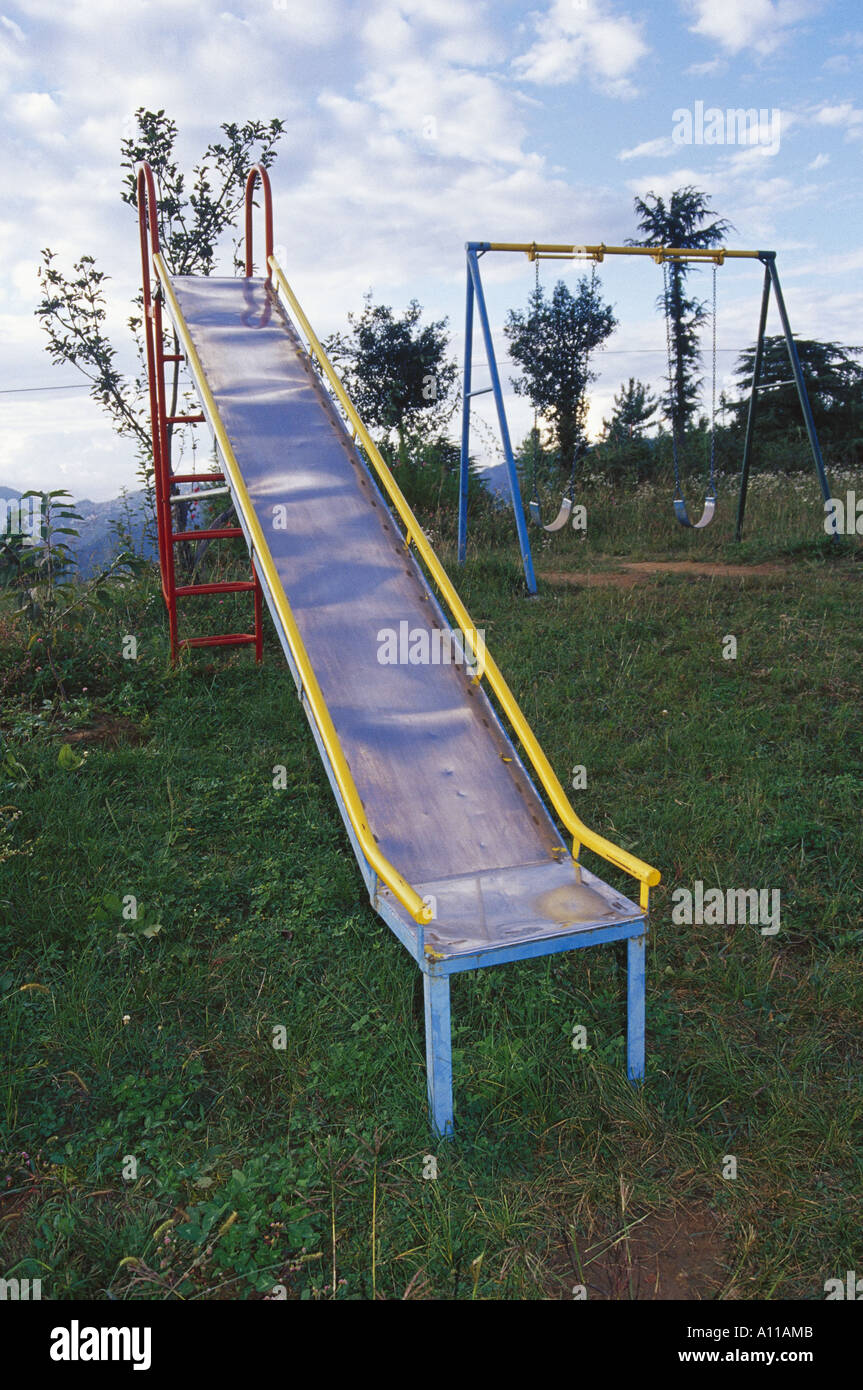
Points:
(659, 148)
(838, 265)
(819, 162)
(844, 115)
(707, 69)
(37, 115)
(62, 440)
(750, 157)
(304, 24)
(841, 64)
(584, 37)
(852, 38)
(664, 182)
(738, 24)
(451, 112)
(461, 32)
(13, 55)
(12, 28)
(387, 32)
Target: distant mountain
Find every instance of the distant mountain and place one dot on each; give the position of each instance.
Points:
(96, 544)
(496, 479)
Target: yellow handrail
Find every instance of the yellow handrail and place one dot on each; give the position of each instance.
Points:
(401, 889)
(582, 834)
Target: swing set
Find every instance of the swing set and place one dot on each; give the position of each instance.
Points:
(664, 256)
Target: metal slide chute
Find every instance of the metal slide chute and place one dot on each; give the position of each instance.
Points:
(457, 849)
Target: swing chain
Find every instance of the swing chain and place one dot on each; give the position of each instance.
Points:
(678, 492)
(711, 490)
(580, 448)
(535, 435)
(675, 451)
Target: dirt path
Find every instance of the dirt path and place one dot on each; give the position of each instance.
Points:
(632, 572)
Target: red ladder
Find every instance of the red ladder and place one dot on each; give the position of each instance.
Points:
(161, 423)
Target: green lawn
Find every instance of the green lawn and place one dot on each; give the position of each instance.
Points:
(156, 1145)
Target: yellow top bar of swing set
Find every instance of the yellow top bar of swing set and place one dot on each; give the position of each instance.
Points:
(552, 251)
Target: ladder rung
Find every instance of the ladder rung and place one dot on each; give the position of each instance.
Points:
(184, 419)
(173, 357)
(217, 533)
(230, 639)
(483, 391)
(771, 385)
(199, 496)
(196, 478)
(228, 586)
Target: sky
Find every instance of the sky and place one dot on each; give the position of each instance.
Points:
(412, 128)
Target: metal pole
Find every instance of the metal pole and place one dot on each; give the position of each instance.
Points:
(465, 422)
(750, 414)
(438, 1053)
(801, 384)
(635, 1002)
(515, 492)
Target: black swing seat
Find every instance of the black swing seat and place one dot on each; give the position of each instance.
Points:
(559, 521)
(706, 516)
(566, 506)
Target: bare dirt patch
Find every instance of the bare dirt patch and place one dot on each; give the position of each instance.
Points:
(632, 572)
(666, 1255)
(107, 730)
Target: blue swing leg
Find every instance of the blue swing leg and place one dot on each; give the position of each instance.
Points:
(438, 1053)
(635, 1007)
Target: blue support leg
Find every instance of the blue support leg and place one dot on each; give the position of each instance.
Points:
(509, 457)
(464, 466)
(438, 1053)
(635, 1007)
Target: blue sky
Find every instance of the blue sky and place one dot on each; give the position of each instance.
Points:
(411, 128)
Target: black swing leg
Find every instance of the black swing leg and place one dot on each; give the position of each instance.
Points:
(750, 414)
(771, 280)
(800, 383)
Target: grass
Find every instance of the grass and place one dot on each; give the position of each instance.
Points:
(156, 1144)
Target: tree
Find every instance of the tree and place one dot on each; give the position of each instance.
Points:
(682, 221)
(395, 369)
(192, 222)
(37, 565)
(552, 343)
(634, 407)
(834, 384)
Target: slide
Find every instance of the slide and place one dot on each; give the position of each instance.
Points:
(460, 854)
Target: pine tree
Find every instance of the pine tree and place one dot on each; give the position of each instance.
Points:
(633, 409)
(681, 222)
